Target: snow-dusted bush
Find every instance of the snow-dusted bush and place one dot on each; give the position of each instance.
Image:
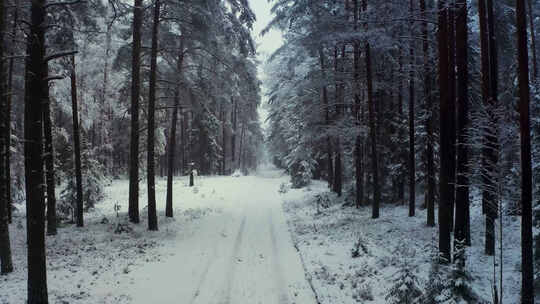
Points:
(92, 184)
(405, 284)
(301, 174)
(363, 293)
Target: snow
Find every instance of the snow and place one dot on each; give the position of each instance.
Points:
(228, 243)
(327, 237)
(248, 239)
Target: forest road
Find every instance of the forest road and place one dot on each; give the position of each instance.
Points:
(241, 254)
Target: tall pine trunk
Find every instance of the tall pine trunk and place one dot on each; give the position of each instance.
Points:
(172, 136)
(412, 164)
(461, 228)
(6, 263)
(35, 92)
(527, 273)
(489, 195)
(533, 41)
(372, 127)
(135, 95)
(150, 167)
(358, 147)
(430, 166)
(452, 105)
(49, 167)
(9, 102)
(77, 145)
(446, 159)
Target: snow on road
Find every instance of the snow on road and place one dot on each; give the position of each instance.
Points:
(241, 254)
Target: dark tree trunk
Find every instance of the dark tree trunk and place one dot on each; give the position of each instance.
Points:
(452, 105)
(489, 195)
(430, 166)
(461, 230)
(358, 149)
(337, 187)
(135, 95)
(329, 160)
(6, 263)
(76, 144)
(150, 167)
(412, 164)
(533, 41)
(233, 136)
(49, 166)
(372, 127)
(445, 204)
(484, 54)
(33, 155)
(527, 273)
(172, 137)
(9, 103)
(223, 139)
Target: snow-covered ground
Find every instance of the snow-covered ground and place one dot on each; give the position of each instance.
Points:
(327, 236)
(228, 243)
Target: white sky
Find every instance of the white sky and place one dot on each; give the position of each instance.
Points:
(267, 44)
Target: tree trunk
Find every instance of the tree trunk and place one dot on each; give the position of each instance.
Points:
(172, 136)
(446, 159)
(135, 95)
(150, 167)
(430, 166)
(49, 167)
(452, 105)
(533, 41)
(412, 164)
(223, 139)
(461, 230)
(33, 155)
(329, 160)
(489, 195)
(372, 127)
(76, 144)
(233, 136)
(527, 276)
(358, 149)
(6, 263)
(9, 102)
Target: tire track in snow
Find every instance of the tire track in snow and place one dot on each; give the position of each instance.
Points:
(204, 274)
(280, 281)
(232, 267)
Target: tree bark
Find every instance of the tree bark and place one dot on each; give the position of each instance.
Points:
(445, 204)
(330, 167)
(135, 95)
(412, 164)
(372, 127)
(49, 166)
(233, 136)
(527, 273)
(150, 167)
(33, 155)
(6, 263)
(358, 149)
(452, 105)
(430, 166)
(77, 145)
(9, 102)
(533, 40)
(172, 136)
(489, 195)
(461, 231)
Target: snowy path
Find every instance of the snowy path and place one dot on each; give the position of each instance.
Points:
(242, 254)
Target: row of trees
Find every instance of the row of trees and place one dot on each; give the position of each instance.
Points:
(193, 103)
(361, 84)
